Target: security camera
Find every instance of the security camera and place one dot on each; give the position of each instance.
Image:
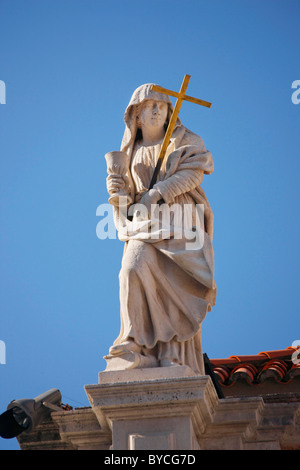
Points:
(25, 414)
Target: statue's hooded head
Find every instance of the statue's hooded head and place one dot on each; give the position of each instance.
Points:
(132, 130)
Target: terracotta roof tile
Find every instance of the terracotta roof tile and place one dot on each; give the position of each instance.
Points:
(256, 369)
(294, 371)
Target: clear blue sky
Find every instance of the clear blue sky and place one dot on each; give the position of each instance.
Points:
(70, 67)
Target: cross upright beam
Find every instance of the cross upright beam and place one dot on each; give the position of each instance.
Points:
(180, 97)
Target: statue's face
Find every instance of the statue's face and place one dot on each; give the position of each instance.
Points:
(153, 114)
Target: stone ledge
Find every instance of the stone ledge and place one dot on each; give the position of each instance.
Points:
(138, 375)
(81, 428)
(167, 410)
(180, 393)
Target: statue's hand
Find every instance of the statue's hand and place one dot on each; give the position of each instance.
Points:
(114, 183)
(149, 198)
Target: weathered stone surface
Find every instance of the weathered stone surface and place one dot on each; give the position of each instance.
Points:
(174, 404)
(167, 281)
(173, 409)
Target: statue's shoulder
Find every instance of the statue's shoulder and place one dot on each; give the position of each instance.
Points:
(190, 138)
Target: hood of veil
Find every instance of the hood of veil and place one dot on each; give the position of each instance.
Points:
(141, 94)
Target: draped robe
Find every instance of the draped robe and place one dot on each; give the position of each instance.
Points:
(166, 289)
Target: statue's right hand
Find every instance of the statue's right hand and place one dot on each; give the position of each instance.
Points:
(114, 183)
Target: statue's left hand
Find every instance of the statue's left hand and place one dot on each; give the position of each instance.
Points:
(149, 198)
(114, 183)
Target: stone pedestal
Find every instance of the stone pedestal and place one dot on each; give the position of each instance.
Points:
(163, 408)
(167, 408)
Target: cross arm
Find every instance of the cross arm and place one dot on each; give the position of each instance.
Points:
(165, 91)
(180, 97)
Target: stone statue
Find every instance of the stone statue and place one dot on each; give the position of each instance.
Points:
(166, 283)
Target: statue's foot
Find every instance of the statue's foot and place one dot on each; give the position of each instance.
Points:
(126, 346)
(129, 360)
(168, 363)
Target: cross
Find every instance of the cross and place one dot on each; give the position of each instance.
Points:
(180, 97)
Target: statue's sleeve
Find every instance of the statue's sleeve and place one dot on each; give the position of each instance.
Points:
(181, 182)
(184, 171)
